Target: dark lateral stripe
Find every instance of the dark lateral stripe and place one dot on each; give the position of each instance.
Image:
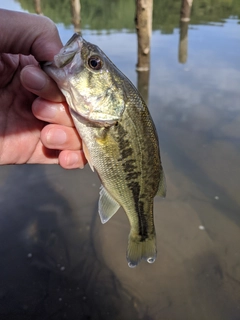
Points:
(139, 207)
(126, 153)
(132, 175)
(129, 165)
(130, 169)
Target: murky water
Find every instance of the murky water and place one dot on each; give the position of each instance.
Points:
(59, 262)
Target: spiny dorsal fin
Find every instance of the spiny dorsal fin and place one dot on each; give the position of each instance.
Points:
(107, 206)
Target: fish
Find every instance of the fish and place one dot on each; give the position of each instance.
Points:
(119, 139)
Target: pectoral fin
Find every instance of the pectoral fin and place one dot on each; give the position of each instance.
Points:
(107, 206)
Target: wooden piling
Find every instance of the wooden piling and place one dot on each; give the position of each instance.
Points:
(76, 14)
(186, 10)
(143, 84)
(143, 22)
(37, 6)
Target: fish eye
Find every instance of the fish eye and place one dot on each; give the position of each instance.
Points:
(95, 63)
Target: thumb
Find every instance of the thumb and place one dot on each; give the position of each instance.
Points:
(24, 33)
(39, 83)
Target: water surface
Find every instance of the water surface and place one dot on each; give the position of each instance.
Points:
(59, 262)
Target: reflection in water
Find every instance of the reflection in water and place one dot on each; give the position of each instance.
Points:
(118, 15)
(183, 42)
(49, 268)
(75, 12)
(185, 13)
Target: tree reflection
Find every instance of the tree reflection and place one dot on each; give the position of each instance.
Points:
(118, 14)
(51, 268)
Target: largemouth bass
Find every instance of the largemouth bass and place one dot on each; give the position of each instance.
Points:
(119, 139)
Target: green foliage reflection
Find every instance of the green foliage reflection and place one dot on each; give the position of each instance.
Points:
(119, 14)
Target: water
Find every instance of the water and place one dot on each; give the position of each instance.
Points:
(59, 262)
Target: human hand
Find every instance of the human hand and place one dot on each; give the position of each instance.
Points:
(29, 99)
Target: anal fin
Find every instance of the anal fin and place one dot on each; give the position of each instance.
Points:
(107, 206)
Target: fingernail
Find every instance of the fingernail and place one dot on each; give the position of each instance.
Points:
(72, 159)
(33, 79)
(46, 111)
(56, 137)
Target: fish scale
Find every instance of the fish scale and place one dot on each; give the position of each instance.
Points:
(119, 139)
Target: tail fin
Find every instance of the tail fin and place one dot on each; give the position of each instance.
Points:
(139, 249)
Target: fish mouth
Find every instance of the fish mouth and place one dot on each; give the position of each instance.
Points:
(66, 54)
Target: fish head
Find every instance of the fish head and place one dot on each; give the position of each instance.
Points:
(91, 83)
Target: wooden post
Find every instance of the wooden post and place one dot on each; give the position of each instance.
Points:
(143, 21)
(143, 84)
(76, 18)
(37, 6)
(186, 10)
(185, 13)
